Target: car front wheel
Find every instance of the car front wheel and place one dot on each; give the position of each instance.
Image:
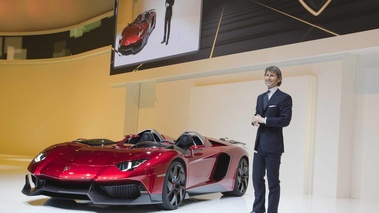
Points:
(174, 187)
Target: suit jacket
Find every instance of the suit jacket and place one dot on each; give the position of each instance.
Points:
(278, 114)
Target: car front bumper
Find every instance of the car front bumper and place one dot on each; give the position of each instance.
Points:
(132, 193)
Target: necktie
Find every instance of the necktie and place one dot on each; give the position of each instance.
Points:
(265, 100)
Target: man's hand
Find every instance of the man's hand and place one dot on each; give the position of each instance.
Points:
(257, 119)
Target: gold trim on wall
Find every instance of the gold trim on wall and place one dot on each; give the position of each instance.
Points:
(313, 12)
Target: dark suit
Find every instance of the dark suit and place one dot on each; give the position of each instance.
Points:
(269, 148)
(167, 20)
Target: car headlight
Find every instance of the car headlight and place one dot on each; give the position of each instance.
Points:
(130, 165)
(40, 157)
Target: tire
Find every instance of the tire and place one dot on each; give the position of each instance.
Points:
(242, 179)
(174, 187)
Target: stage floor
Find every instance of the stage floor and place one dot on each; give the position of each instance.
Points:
(13, 170)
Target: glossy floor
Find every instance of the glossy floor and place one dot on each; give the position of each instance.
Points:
(13, 169)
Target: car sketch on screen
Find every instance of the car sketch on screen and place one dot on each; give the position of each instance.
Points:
(143, 168)
(135, 36)
(166, 31)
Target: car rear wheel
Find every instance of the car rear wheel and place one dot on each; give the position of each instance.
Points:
(242, 179)
(174, 187)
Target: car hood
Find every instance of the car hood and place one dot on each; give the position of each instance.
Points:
(133, 30)
(97, 156)
(81, 161)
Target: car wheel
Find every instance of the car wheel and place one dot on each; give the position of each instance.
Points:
(174, 187)
(242, 179)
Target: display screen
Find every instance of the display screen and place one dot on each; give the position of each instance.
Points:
(152, 30)
(205, 29)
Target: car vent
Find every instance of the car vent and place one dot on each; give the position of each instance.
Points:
(123, 191)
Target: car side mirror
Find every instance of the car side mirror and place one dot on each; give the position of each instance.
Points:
(195, 148)
(127, 139)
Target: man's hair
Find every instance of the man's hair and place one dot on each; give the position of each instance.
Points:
(276, 70)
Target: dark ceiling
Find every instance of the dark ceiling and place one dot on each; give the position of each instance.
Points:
(27, 16)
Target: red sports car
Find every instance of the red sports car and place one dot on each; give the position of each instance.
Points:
(143, 168)
(135, 36)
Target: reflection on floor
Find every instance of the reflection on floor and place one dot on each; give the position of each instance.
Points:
(13, 170)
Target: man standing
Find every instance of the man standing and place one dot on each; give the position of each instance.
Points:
(167, 20)
(273, 112)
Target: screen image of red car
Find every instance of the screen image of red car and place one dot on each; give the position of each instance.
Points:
(135, 36)
(143, 168)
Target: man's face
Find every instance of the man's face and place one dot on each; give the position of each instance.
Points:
(271, 79)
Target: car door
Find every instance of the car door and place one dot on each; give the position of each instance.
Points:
(201, 161)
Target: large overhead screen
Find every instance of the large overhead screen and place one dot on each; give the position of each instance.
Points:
(153, 30)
